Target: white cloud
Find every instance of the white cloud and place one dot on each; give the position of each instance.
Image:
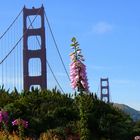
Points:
(102, 28)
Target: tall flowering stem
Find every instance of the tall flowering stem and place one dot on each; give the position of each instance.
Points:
(79, 80)
(78, 74)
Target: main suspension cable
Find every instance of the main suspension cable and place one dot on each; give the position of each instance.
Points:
(55, 77)
(56, 46)
(18, 40)
(11, 25)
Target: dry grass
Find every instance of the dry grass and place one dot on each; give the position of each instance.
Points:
(4, 136)
(44, 136)
(49, 136)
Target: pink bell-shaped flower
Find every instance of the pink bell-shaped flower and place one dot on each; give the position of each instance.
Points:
(78, 75)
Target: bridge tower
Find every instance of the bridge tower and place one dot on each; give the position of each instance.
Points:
(28, 54)
(104, 89)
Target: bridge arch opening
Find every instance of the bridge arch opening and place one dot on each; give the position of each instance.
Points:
(34, 87)
(36, 22)
(34, 42)
(34, 67)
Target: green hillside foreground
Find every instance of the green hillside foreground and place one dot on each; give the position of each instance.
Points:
(52, 115)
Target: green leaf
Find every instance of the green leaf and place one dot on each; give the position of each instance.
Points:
(72, 44)
(73, 39)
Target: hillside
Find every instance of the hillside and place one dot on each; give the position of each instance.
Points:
(135, 115)
(49, 114)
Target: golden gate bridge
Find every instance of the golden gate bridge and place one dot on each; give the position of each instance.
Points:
(23, 56)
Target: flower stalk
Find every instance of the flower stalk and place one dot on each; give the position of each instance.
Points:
(78, 73)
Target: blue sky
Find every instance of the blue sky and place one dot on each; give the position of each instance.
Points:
(108, 32)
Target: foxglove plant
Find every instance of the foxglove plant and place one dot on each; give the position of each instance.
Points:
(3, 121)
(20, 122)
(78, 74)
(21, 125)
(3, 116)
(79, 80)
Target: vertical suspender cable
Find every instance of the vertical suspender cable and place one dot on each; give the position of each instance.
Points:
(6, 43)
(0, 70)
(18, 61)
(16, 43)
(3, 70)
(14, 62)
(10, 25)
(20, 68)
(16, 57)
(2, 64)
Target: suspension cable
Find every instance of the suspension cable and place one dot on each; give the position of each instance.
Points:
(11, 25)
(56, 46)
(54, 76)
(18, 40)
(48, 62)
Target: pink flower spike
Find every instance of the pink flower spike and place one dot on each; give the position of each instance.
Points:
(25, 123)
(77, 68)
(20, 122)
(3, 116)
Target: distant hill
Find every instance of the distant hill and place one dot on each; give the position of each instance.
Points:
(135, 115)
